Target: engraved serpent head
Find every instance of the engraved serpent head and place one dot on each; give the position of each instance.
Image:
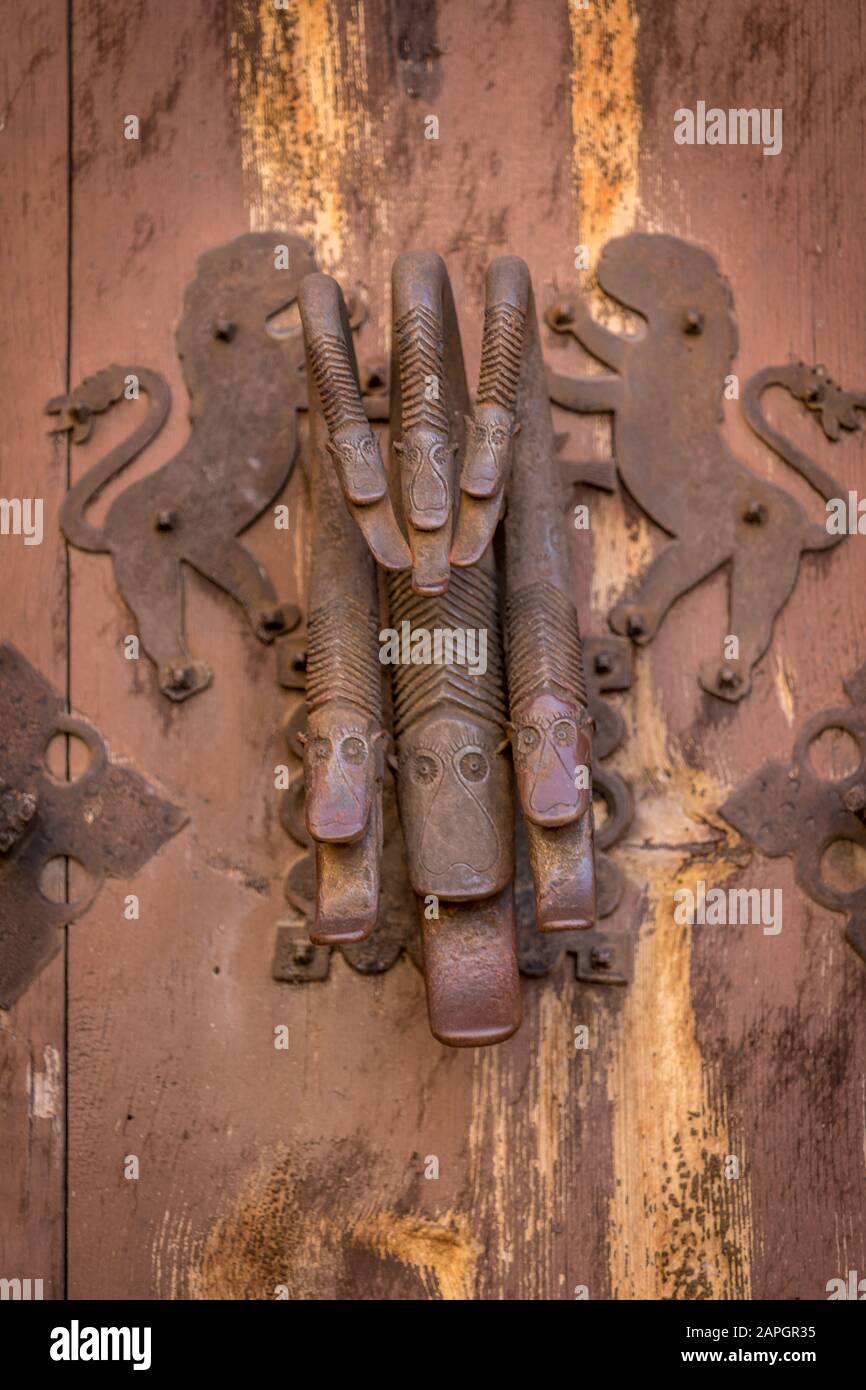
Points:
(455, 797)
(355, 451)
(489, 433)
(426, 457)
(341, 771)
(551, 759)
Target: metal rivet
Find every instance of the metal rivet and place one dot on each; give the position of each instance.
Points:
(166, 520)
(180, 677)
(755, 514)
(224, 329)
(693, 321)
(603, 663)
(273, 620)
(561, 315)
(728, 677)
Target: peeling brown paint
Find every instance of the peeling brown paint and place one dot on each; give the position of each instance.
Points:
(442, 1252)
(783, 681)
(46, 1087)
(605, 119)
(300, 76)
(300, 1227)
(519, 1187)
(679, 1227)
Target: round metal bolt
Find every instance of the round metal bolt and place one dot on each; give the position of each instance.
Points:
(855, 799)
(27, 807)
(729, 679)
(601, 958)
(755, 514)
(603, 663)
(166, 520)
(224, 329)
(304, 953)
(561, 315)
(273, 620)
(636, 625)
(693, 321)
(180, 677)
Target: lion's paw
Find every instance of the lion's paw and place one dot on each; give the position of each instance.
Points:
(836, 406)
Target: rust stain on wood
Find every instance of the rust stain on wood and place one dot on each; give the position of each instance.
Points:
(300, 76)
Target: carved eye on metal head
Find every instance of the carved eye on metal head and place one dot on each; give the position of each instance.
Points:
(424, 768)
(320, 749)
(353, 749)
(528, 739)
(564, 732)
(474, 767)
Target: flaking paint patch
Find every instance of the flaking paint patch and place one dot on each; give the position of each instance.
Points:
(518, 1173)
(298, 1223)
(621, 549)
(46, 1087)
(605, 119)
(300, 75)
(442, 1252)
(784, 688)
(680, 1229)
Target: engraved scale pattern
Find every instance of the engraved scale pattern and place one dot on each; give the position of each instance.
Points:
(335, 382)
(421, 356)
(543, 643)
(341, 637)
(469, 603)
(501, 349)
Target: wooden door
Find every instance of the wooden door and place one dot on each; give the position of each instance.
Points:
(306, 1170)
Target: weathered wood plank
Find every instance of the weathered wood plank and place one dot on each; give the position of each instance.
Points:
(776, 1023)
(304, 1169)
(33, 143)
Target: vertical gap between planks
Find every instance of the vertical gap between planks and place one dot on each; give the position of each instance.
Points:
(64, 1188)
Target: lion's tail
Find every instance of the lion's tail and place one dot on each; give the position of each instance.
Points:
(791, 377)
(93, 396)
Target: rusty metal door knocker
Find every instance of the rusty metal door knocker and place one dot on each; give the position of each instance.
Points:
(452, 724)
(406, 806)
